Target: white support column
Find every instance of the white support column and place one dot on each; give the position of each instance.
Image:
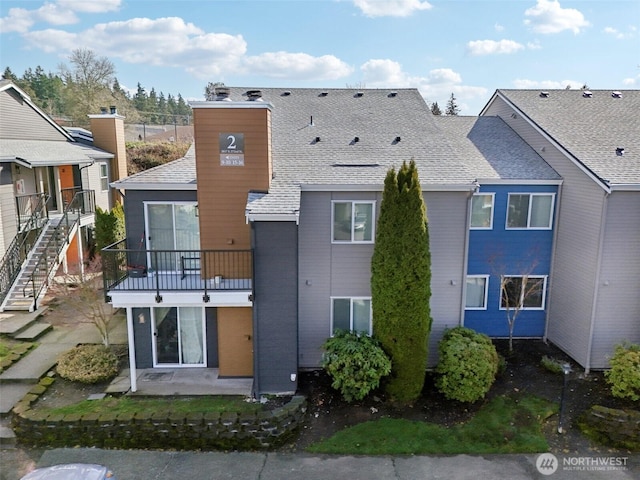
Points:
(132, 351)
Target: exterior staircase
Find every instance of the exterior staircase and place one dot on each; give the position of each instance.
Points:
(41, 264)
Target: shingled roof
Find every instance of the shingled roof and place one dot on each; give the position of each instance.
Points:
(346, 139)
(590, 125)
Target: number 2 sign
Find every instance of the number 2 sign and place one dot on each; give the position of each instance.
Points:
(231, 149)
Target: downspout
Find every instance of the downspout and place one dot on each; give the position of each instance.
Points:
(556, 222)
(465, 256)
(132, 351)
(596, 287)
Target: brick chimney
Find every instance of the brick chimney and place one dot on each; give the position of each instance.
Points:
(108, 134)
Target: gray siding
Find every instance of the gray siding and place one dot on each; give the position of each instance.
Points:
(572, 283)
(447, 216)
(327, 269)
(91, 181)
(275, 308)
(20, 121)
(8, 220)
(618, 302)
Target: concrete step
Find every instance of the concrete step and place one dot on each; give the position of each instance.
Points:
(13, 323)
(8, 439)
(34, 332)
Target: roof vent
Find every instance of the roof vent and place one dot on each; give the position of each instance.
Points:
(620, 151)
(113, 110)
(393, 94)
(397, 139)
(323, 94)
(254, 95)
(355, 140)
(544, 94)
(103, 110)
(316, 140)
(587, 94)
(359, 94)
(286, 93)
(222, 94)
(616, 94)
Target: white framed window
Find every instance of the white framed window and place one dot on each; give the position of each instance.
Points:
(530, 211)
(352, 222)
(351, 314)
(476, 293)
(482, 211)
(104, 177)
(526, 292)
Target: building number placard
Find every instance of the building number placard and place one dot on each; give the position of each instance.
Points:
(231, 149)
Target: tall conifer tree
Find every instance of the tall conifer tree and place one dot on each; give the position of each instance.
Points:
(401, 282)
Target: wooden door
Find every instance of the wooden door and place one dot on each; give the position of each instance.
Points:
(235, 341)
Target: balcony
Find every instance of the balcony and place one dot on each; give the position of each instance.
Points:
(162, 273)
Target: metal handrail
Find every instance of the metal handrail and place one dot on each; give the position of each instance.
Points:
(39, 278)
(175, 270)
(25, 239)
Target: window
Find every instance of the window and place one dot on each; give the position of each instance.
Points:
(353, 222)
(352, 314)
(477, 292)
(530, 210)
(104, 177)
(526, 292)
(482, 211)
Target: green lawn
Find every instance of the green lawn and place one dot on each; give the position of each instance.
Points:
(117, 405)
(504, 425)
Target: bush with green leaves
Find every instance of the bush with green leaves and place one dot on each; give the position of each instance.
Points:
(356, 363)
(88, 364)
(624, 376)
(468, 365)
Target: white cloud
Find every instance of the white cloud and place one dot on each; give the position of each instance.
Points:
(61, 12)
(631, 82)
(391, 8)
(498, 28)
(296, 66)
(549, 17)
(548, 84)
(620, 35)
(171, 42)
(491, 47)
(437, 85)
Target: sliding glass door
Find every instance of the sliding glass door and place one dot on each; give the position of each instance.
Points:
(178, 336)
(171, 226)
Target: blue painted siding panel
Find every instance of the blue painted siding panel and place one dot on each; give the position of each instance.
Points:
(502, 251)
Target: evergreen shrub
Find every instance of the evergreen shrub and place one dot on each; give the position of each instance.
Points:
(356, 363)
(624, 376)
(468, 365)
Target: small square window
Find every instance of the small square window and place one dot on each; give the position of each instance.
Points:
(530, 211)
(525, 292)
(482, 211)
(351, 314)
(353, 222)
(476, 297)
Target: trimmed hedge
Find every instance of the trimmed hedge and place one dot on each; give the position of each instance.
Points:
(624, 376)
(468, 365)
(88, 364)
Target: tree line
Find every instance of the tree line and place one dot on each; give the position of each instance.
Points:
(88, 83)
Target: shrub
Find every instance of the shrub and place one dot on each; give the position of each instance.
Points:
(552, 364)
(355, 363)
(624, 376)
(468, 365)
(88, 364)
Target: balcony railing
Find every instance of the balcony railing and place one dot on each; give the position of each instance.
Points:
(175, 270)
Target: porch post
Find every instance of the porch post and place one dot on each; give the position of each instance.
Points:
(132, 351)
(80, 253)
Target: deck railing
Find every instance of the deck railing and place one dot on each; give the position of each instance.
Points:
(175, 270)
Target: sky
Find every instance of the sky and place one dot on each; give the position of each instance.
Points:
(468, 48)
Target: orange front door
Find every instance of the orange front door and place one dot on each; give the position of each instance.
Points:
(235, 341)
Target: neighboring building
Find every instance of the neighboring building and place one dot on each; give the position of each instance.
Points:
(246, 254)
(49, 187)
(592, 139)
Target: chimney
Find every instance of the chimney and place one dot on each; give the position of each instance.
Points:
(108, 135)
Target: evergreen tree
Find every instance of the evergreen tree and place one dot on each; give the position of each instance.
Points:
(401, 282)
(452, 106)
(9, 75)
(435, 109)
